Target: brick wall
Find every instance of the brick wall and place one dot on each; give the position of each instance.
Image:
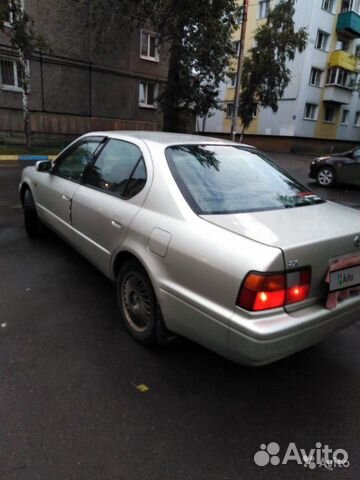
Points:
(79, 85)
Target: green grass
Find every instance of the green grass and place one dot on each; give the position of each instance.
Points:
(22, 150)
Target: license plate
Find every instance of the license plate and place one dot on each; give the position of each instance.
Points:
(344, 278)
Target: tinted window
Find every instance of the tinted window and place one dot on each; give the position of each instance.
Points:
(356, 154)
(73, 164)
(227, 179)
(119, 169)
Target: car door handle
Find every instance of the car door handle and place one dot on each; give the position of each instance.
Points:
(116, 224)
(65, 197)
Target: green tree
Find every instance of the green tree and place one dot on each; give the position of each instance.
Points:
(18, 27)
(196, 36)
(266, 73)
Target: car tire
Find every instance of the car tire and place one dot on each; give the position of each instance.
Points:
(33, 225)
(326, 177)
(137, 303)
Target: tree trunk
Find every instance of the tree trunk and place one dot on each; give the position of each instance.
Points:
(25, 80)
(242, 134)
(174, 118)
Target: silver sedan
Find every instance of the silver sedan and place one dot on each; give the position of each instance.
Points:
(204, 238)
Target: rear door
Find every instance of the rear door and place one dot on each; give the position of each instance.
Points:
(55, 189)
(113, 190)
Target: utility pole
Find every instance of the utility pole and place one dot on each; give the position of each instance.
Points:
(239, 70)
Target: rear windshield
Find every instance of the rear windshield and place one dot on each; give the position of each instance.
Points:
(219, 179)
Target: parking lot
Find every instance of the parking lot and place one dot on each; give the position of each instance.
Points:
(69, 403)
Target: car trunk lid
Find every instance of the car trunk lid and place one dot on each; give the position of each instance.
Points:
(309, 236)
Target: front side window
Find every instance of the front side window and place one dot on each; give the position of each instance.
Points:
(225, 179)
(356, 154)
(322, 40)
(148, 92)
(264, 7)
(72, 164)
(119, 170)
(148, 46)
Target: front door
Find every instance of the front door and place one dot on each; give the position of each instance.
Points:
(55, 189)
(350, 171)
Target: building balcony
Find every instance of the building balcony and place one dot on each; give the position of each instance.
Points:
(348, 24)
(336, 94)
(344, 60)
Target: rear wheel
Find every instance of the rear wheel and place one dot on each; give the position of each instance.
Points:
(137, 302)
(326, 177)
(33, 224)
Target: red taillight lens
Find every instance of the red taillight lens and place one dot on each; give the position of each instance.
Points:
(266, 291)
(298, 286)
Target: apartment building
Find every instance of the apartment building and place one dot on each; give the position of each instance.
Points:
(320, 101)
(80, 84)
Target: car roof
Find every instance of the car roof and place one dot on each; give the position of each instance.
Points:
(166, 138)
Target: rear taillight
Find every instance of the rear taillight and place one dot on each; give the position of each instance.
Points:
(264, 291)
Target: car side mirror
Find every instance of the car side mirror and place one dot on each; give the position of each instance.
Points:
(43, 166)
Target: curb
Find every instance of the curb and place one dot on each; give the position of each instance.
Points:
(25, 158)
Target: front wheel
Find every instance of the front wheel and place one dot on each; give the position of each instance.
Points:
(326, 177)
(33, 224)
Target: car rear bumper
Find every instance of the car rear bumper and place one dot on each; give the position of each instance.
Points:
(258, 343)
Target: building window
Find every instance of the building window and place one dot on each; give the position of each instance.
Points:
(345, 117)
(329, 114)
(322, 40)
(148, 46)
(264, 7)
(236, 47)
(9, 16)
(310, 111)
(347, 5)
(339, 77)
(315, 77)
(357, 119)
(232, 79)
(240, 17)
(229, 110)
(343, 45)
(10, 78)
(254, 112)
(148, 91)
(328, 5)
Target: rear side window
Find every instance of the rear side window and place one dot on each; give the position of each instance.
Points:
(119, 170)
(72, 164)
(226, 179)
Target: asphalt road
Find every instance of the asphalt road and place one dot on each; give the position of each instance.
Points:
(70, 409)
